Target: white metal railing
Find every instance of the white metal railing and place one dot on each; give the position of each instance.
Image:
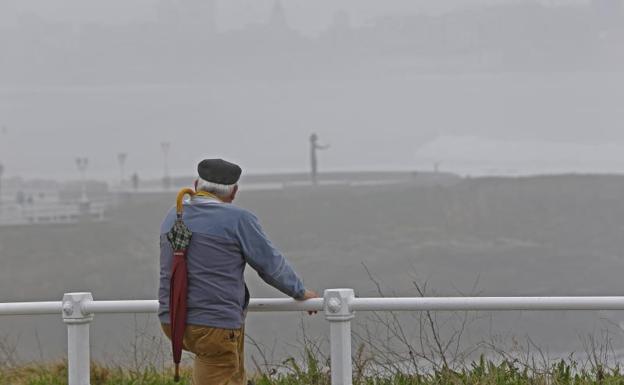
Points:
(339, 306)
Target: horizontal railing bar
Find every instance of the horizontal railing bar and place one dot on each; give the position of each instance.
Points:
(487, 303)
(130, 306)
(285, 304)
(30, 308)
(151, 306)
(357, 304)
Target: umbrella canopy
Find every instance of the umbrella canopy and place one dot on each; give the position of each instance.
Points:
(179, 237)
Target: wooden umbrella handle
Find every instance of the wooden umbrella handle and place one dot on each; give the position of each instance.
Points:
(180, 199)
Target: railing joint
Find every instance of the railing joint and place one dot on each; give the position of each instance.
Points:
(338, 304)
(73, 311)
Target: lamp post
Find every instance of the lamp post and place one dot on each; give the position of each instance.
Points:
(121, 158)
(436, 167)
(4, 131)
(82, 163)
(1, 172)
(166, 178)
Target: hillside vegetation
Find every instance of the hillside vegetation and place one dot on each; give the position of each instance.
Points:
(478, 373)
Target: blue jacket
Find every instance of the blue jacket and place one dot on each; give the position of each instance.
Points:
(225, 239)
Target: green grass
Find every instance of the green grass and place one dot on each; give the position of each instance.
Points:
(482, 372)
(56, 374)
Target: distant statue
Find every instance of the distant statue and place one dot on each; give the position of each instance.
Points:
(314, 145)
(135, 181)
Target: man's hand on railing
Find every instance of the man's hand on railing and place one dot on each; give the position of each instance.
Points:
(309, 294)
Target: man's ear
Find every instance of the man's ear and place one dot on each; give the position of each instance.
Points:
(234, 191)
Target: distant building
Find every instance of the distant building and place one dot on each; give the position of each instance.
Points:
(8, 13)
(167, 13)
(194, 16)
(273, 35)
(340, 21)
(277, 19)
(609, 13)
(608, 7)
(200, 15)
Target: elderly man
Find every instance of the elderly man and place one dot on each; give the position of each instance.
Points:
(225, 239)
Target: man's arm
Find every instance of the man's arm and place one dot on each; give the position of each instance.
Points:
(270, 264)
(322, 147)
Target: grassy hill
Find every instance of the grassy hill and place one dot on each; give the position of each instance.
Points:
(546, 235)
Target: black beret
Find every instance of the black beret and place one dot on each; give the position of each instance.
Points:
(219, 171)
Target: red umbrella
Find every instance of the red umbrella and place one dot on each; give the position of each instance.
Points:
(179, 236)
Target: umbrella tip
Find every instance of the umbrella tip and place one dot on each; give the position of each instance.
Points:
(176, 377)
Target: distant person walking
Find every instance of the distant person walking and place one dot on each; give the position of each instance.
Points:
(225, 238)
(314, 146)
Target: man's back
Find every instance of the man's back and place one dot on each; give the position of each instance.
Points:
(225, 238)
(216, 290)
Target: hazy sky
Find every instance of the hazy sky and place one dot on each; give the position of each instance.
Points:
(306, 15)
(381, 120)
(382, 124)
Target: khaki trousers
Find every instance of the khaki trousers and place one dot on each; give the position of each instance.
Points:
(219, 354)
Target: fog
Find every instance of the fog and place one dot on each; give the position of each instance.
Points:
(308, 17)
(377, 81)
(418, 100)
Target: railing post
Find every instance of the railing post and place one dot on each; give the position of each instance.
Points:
(338, 313)
(78, 349)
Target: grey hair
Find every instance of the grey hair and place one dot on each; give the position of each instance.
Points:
(220, 190)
